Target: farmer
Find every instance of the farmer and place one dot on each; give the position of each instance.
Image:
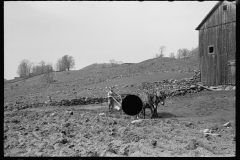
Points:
(110, 94)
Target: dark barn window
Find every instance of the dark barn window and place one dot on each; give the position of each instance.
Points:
(211, 49)
(224, 7)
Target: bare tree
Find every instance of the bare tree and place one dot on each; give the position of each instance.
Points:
(49, 68)
(185, 53)
(161, 50)
(156, 55)
(193, 52)
(179, 54)
(42, 64)
(24, 68)
(171, 55)
(59, 65)
(120, 62)
(113, 62)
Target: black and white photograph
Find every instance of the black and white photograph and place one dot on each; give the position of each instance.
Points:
(119, 78)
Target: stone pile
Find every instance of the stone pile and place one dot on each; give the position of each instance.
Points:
(64, 102)
(174, 87)
(186, 70)
(79, 101)
(22, 105)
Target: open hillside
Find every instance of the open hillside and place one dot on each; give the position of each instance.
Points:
(67, 82)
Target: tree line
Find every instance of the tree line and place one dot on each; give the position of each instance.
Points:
(182, 53)
(27, 69)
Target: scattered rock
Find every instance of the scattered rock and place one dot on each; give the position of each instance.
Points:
(136, 121)
(154, 143)
(193, 144)
(53, 114)
(228, 124)
(101, 114)
(228, 88)
(206, 131)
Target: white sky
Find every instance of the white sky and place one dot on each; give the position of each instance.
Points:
(95, 32)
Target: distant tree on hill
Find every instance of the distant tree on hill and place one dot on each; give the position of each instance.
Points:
(65, 63)
(171, 55)
(194, 52)
(37, 70)
(42, 64)
(185, 53)
(59, 65)
(115, 63)
(24, 68)
(161, 50)
(48, 68)
(41, 68)
(68, 62)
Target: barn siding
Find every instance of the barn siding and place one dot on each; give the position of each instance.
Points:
(218, 79)
(224, 52)
(220, 17)
(206, 57)
(210, 57)
(219, 30)
(214, 56)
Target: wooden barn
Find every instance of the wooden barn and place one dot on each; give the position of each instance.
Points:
(217, 45)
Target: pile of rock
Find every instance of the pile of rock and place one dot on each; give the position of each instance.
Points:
(79, 101)
(174, 87)
(65, 102)
(19, 105)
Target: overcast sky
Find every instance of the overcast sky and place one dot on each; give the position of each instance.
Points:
(95, 32)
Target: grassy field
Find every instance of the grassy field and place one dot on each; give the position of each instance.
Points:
(92, 76)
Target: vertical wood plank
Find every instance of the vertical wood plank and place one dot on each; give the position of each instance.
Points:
(221, 14)
(203, 56)
(221, 53)
(213, 56)
(227, 52)
(206, 56)
(208, 78)
(230, 50)
(210, 57)
(205, 59)
(224, 14)
(199, 55)
(217, 55)
(226, 56)
(224, 53)
(217, 16)
(233, 12)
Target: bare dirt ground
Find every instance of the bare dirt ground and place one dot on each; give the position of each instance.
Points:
(52, 131)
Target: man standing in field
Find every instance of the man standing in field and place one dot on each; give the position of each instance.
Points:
(110, 98)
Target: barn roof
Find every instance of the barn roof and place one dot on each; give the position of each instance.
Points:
(209, 15)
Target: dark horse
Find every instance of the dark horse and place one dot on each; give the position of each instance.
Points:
(151, 101)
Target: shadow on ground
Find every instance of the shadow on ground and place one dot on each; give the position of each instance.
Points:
(165, 115)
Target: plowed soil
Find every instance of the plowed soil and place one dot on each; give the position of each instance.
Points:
(177, 131)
